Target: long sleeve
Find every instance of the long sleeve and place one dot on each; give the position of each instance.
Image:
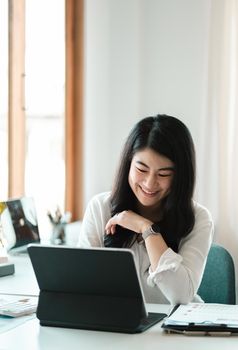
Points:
(95, 218)
(178, 276)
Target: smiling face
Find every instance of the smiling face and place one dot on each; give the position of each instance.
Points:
(150, 177)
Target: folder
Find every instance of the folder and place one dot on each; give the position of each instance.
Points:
(203, 319)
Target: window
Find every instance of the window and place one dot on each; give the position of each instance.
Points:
(41, 69)
(44, 99)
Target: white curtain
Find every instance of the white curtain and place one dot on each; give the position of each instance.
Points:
(218, 176)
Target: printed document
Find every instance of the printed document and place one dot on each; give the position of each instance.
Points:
(204, 314)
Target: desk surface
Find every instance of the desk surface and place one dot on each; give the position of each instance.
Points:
(32, 336)
(23, 281)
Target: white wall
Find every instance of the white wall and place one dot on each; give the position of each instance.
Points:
(142, 57)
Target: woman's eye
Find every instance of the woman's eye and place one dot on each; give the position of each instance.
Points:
(165, 174)
(141, 170)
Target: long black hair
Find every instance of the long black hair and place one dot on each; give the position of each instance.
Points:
(169, 137)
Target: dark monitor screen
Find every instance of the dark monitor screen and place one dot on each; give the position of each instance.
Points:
(18, 220)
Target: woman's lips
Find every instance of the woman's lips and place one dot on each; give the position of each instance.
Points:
(148, 193)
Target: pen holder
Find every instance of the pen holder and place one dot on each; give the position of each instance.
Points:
(58, 234)
(58, 222)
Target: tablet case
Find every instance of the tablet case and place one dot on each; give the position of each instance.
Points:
(90, 288)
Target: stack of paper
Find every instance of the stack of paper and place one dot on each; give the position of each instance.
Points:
(205, 317)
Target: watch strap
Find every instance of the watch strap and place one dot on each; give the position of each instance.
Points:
(152, 230)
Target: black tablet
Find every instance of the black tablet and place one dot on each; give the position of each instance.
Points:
(97, 289)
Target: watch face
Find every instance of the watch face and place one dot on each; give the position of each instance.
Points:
(156, 228)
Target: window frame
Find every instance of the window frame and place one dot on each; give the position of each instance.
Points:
(16, 109)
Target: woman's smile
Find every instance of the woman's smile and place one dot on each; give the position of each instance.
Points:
(147, 192)
(150, 177)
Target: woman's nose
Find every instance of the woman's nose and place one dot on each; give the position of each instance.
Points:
(150, 181)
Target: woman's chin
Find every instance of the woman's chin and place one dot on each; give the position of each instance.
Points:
(148, 202)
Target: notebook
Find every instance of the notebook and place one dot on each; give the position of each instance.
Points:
(202, 318)
(19, 224)
(95, 289)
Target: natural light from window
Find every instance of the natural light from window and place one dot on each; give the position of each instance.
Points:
(45, 96)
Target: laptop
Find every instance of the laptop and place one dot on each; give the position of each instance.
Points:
(94, 289)
(19, 224)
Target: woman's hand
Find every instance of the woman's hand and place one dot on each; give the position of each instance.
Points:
(128, 219)
(155, 244)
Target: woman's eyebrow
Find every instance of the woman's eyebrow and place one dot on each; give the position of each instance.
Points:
(141, 163)
(164, 168)
(167, 168)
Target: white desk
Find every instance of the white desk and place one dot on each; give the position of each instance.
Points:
(32, 336)
(23, 281)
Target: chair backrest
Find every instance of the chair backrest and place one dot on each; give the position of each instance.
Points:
(218, 282)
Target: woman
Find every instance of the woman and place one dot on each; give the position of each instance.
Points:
(151, 211)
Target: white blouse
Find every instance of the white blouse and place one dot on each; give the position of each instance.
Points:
(178, 275)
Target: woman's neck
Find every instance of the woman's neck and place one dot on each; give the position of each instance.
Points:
(153, 214)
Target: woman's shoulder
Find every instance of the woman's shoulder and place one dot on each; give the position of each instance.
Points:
(100, 200)
(203, 226)
(101, 197)
(201, 212)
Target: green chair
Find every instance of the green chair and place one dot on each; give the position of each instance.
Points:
(218, 282)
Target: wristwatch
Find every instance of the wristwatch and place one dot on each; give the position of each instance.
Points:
(154, 229)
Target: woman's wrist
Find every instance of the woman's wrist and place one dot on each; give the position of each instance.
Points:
(154, 229)
(146, 225)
